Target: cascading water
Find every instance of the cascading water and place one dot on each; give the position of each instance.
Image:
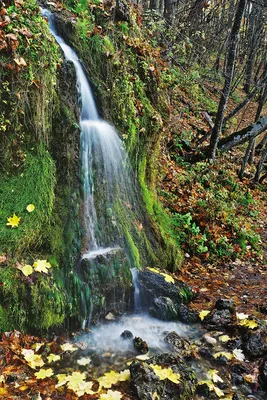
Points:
(103, 157)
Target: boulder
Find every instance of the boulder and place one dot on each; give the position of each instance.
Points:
(164, 308)
(147, 384)
(218, 319)
(178, 344)
(140, 345)
(255, 345)
(225, 304)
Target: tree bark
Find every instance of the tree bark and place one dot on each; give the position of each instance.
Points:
(233, 41)
(243, 135)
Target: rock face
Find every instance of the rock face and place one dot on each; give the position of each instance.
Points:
(108, 278)
(147, 384)
(163, 299)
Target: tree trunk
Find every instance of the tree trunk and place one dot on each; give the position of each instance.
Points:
(260, 164)
(233, 41)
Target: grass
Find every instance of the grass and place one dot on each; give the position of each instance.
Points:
(33, 184)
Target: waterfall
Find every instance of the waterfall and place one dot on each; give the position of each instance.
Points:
(104, 161)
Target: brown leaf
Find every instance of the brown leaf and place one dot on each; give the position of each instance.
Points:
(26, 32)
(20, 61)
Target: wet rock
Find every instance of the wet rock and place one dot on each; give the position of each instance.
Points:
(225, 304)
(255, 344)
(237, 396)
(140, 345)
(164, 308)
(203, 390)
(237, 371)
(153, 285)
(127, 335)
(187, 316)
(237, 379)
(218, 319)
(178, 344)
(205, 353)
(147, 384)
(263, 374)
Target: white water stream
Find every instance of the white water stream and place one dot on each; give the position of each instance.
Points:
(103, 154)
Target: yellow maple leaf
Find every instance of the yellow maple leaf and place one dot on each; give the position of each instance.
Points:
(213, 375)
(30, 208)
(42, 266)
(165, 373)
(109, 379)
(62, 379)
(249, 323)
(44, 373)
(68, 347)
(111, 395)
(27, 270)
(84, 387)
(125, 375)
(229, 356)
(202, 314)
(13, 221)
(75, 379)
(52, 358)
(37, 346)
(34, 360)
(224, 338)
(168, 278)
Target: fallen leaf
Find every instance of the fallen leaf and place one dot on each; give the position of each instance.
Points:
(34, 360)
(238, 354)
(111, 395)
(30, 208)
(165, 373)
(224, 338)
(13, 221)
(108, 379)
(241, 316)
(229, 356)
(42, 266)
(202, 314)
(213, 375)
(84, 361)
(27, 270)
(20, 61)
(44, 373)
(68, 347)
(249, 323)
(52, 358)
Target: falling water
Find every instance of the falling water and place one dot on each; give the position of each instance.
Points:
(103, 156)
(137, 300)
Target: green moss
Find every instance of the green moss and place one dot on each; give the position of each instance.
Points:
(133, 251)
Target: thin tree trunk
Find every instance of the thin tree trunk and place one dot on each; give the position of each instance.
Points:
(233, 41)
(260, 164)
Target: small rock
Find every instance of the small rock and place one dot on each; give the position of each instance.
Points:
(177, 343)
(127, 335)
(187, 316)
(225, 304)
(140, 345)
(209, 339)
(219, 319)
(110, 317)
(255, 346)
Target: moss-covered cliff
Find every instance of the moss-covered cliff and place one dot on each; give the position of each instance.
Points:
(39, 156)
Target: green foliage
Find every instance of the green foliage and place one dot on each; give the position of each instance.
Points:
(33, 184)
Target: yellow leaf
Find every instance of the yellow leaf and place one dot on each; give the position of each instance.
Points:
(37, 346)
(52, 358)
(42, 266)
(249, 323)
(203, 314)
(125, 375)
(75, 379)
(218, 391)
(68, 347)
(84, 361)
(13, 221)
(62, 379)
(27, 270)
(30, 208)
(229, 356)
(3, 391)
(109, 379)
(165, 373)
(111, 395)
(168, 278)
(238, 354)
(84, 387)
(22, 388)
(212, 374)
(44, 373)
(224, 338)
(34, 360)
(154, 270)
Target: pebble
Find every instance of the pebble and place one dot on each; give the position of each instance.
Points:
(209, 339)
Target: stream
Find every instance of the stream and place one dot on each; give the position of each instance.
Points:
(103, 155)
